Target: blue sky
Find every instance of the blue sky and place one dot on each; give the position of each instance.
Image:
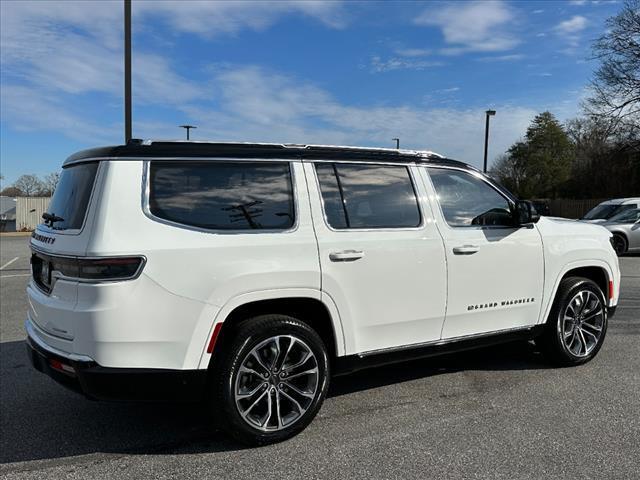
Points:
(356, 73)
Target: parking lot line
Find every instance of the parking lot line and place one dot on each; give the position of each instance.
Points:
(8, 263)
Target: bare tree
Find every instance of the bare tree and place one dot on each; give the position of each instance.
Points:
(29, 185)
(49, 183)
(616, 84)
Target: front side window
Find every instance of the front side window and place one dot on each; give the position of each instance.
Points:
(223, 195)
(467, 200)
(368, 196)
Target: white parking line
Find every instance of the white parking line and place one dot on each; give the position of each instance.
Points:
(8, 263)
(16, 275)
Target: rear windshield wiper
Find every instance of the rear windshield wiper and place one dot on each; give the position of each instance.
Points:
(51, 218)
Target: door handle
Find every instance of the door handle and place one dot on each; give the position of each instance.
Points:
(346, 256)
(465, 250)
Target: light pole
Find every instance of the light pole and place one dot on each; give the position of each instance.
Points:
(489, 113)
(127, 71)
(187, 128)
(397, 140)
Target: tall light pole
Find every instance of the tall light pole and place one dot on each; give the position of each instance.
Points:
(187, 128)
(127, 71)
(489, 113)
(397, 140)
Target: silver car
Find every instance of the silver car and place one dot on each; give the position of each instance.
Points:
(625, 227)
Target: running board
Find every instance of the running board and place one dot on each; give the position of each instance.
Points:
(360, 361)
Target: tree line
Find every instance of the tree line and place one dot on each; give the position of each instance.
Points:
(596, 155)
(33, 186)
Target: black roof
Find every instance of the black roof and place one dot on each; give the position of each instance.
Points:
(178, 149)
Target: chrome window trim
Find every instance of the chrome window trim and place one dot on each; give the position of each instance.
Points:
(484, 179)
(146, 191)
(412, 178)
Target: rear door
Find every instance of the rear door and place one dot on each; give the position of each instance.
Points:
(381, 257)
(495, 271)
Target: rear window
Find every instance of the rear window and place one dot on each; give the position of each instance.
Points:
(71, 197)
(368, 196)
(223, 195)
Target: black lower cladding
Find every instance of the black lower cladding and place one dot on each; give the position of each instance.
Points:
(120, 384)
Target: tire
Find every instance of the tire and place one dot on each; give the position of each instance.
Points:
(619, 243)
(257, 405)
(572, 335)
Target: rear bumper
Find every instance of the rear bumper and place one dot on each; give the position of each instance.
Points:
(83, 375)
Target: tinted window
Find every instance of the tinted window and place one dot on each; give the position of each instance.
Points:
(607, 210)
(467, 200)
(223, 196)
(368, 196)
(71, 197)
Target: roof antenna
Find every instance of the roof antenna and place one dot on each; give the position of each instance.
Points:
(187, 128)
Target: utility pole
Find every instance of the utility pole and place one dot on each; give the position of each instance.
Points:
(187, 128)
(127, 71)
(489, 113)
(397, 140)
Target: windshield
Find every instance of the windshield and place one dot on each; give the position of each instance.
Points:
(628, 216)
(602, 211)
(68, 206)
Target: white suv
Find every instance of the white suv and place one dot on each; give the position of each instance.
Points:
(247, 274)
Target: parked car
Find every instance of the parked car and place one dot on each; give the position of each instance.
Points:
(605, 210)
(542, 207)
(247, 275)
(625, 227)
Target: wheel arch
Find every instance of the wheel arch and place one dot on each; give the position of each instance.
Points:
(306, 306)
(597, 271)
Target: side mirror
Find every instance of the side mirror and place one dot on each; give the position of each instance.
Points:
(525, 213)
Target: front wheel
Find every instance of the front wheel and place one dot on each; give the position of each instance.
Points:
(270, 381)
(577, 324)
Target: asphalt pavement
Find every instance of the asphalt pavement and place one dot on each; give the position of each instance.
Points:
(500, 412)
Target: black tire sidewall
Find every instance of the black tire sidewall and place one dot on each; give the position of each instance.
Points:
(249, 334)
(624, 242)
(568, 289)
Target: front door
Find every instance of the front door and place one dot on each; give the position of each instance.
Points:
(381, 257)
(495, 271)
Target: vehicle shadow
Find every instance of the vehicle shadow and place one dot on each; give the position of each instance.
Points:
(40, 420)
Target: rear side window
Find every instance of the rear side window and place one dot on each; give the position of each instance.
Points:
(223, 195)
(70, 200)
(368, 196)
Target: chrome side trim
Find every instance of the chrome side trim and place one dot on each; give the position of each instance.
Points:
(33, 335)
(444, 341)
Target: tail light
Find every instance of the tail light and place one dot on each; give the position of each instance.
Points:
(48, 268)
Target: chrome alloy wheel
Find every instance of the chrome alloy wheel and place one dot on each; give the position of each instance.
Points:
(583, 322)
(276, 383)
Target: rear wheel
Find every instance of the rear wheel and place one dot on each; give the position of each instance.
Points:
(271, 380)
(619, 243)
(577, 324)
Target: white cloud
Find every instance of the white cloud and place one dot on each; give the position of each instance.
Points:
(413, 52)
(215, 18)
(570, 30)
(379, 65)
(257, 105)
(575, 24)
(578, 2)
(472, 26)
(502, 58)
